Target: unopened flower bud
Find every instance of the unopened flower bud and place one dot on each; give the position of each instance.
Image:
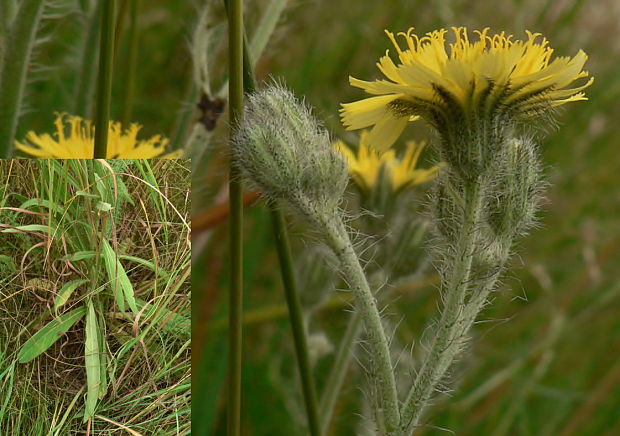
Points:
(516, 198)
(284, 151)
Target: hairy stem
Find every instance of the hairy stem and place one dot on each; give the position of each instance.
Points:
(338, 239)
(447, 342)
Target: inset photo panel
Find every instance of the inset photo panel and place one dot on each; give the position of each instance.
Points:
(95, 297)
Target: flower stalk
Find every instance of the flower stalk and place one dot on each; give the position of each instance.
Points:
(477, 96)
(235, 105)
(452, 325)
(336, 236)
(291, 292)
(104, 78)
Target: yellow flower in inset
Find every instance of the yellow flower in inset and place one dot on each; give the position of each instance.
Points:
(493, 78)
(77, 142)
(364, 168)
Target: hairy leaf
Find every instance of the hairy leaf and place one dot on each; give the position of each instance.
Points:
(92, 362)
(121, 286)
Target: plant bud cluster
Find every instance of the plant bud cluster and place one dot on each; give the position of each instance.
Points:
(511, 189)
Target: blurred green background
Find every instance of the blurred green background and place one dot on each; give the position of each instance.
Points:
(546, 362)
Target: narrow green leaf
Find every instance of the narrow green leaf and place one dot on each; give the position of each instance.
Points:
(103, 359)
(123, 193)
(121, 286)
(147, 263)
(110, 261)
(86, 194)
(42, 203)
(29, 228)
(80, 255)
(92, 362)
(170, 321)
(66, 291)
(44, 338)
(102, 187)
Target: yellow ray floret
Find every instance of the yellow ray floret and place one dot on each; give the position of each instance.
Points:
(364, 167)
(435, 79)
(74, 139)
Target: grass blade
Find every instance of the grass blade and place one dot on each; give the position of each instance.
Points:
(44, 338)
(80, 255)
(66, 291)
(92, 362)
(29, 228)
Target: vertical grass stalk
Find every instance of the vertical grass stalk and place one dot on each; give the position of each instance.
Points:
(104, 78)
(18, 40)
(235, 99)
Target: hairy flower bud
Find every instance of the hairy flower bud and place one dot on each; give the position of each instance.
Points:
(284, 151)
(516, 196)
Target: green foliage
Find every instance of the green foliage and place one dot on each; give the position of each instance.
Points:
(114, 356)
(46, 336)
(92, 362)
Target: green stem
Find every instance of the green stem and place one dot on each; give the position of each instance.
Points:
(448, 338)
(9, 9)
(121, 17)
(295, 316)
(264, 31)
(338, 240)
(132, 57)
(104, 79)
(18, 42)
(235, 105)
(88, 70)
(339, 369)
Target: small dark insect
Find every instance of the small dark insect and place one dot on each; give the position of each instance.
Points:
(211, 110)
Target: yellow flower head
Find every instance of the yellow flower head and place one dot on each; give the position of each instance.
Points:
(77, 142)
(365, 167)
(493, 77)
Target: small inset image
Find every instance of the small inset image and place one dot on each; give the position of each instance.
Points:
(95, 297)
